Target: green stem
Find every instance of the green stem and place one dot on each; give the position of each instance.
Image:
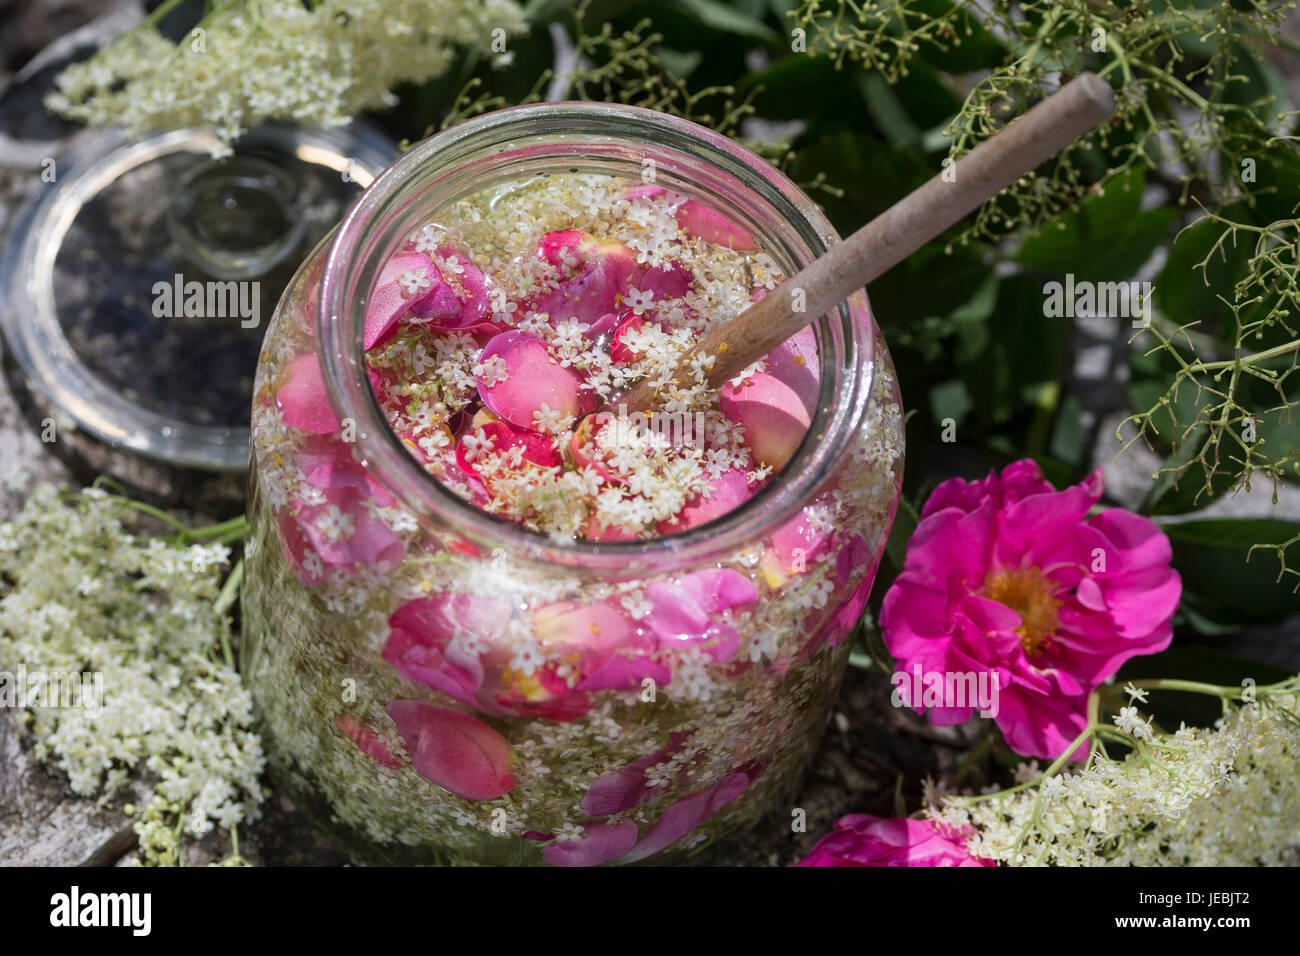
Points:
(1212, 690)
(225, 599)
(222, 529)
(1044, 412)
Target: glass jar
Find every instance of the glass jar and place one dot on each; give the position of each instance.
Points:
(395, 703)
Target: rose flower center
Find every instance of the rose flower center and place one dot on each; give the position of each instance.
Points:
(1029, 593)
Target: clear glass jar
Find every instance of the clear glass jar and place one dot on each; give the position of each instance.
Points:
(400, 652)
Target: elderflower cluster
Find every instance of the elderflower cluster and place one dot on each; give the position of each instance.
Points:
(320, 63)
(428, 384)
(79, 594)
(1227, 796)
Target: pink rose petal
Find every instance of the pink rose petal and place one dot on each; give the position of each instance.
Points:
(533, 379)
(773, 415)
(594, 276)
(673, 281)
(536, 448)
(388, 300)
(454, 750)
(728, 491)
(687, 814)
(458, 301)
(796, 363)
(699, 220)
(601, 627)
(619, 350)
(420, 642)
(623, 672)
(302, 399)
(367, 741)
(601, 843)
(628, 787)
(688, 609)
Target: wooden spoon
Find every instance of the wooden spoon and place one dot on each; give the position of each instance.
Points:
(891, 237)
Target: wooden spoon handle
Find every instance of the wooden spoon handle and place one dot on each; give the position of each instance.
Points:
(895, 234)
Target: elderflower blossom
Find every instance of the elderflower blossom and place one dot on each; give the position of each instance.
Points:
(174, 718)
(1227, 796)
(246, 63)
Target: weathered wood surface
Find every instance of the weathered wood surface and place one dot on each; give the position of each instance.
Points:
(868, 748)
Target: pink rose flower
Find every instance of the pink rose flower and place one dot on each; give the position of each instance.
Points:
(863, 840)
(1011, 577)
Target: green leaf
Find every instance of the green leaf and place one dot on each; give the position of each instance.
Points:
(950, 399)
(970, 47)
(794, 87)
(546, 11)
(1024, 351)
(888, 111)
(928, 100)
(1069, 441)
(1276, 188)
(1107, 239)
(1150, 376)
(728, 19)
(679, 63)
(905, 522)
(1211, 556)
(952, 295)
(1259, 85)
(1186, 294)
(873, 174)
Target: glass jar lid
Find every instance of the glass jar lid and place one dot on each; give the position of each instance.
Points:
(137, 287)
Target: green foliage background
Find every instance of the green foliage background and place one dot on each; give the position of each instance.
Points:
(1199, 166)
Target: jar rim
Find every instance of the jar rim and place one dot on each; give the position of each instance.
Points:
(340, 321)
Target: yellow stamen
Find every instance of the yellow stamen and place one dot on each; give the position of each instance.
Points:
(1032, 595)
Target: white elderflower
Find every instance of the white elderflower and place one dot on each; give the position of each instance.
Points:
(174, 719)
(1228, 796)
(551, 421)
(527, 659)
(637, 604)
(1134, 694)
(412, 283)
(335, 524)
(1131, 722)
(639, 301)
(276, 59)
(569, 832)
(476, 443)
